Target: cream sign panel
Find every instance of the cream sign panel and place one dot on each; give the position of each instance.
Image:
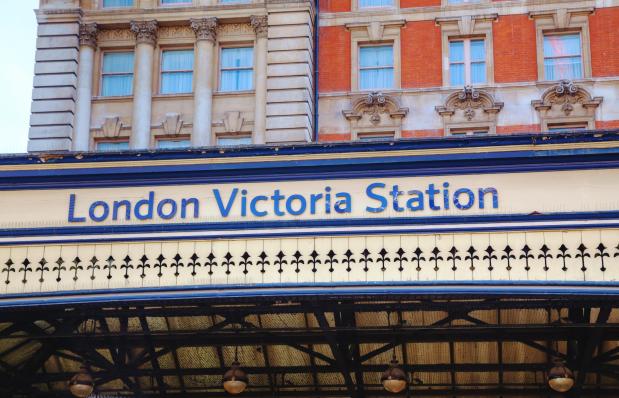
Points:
(462, 195)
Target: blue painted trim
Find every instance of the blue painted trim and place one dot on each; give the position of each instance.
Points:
(340, 289)
(470, 221)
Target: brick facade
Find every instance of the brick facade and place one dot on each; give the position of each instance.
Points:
(603, 26)
(421, 55)
(514, 49)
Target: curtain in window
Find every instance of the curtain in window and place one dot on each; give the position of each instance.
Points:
(375, 3)
(177, 72)
(233, 141)
(117, 74)
(112, 146)
(375, 67)
(456, 63)
(117, 3)
(237, 69)
(234, 1)
(562, 57)
(172, 144)
(165, 2)
(478, 61)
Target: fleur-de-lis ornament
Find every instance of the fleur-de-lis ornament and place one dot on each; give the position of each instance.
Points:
(490, 256)
(563, 255)
(453, 257)
(435, 258)
(545, 254)
(601, 253)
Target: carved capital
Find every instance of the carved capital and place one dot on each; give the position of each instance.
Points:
(145, 31)
(88, 35)
(260, 23)
(205, 28)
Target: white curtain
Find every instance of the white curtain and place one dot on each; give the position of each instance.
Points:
(233, 141)
(237, 69)
(177, 72)
(375, 67)
(173, 144)
(375, 3)
(562, 57)
(165, 2)
(478, 61)
(117, 3)
(112, 146)
(456, 63)
(117, 74)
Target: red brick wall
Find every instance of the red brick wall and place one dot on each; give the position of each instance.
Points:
(518, 128)
(422, 133)
(607, 124)
(334, 5)
(515, 57)
(419, 3)
(334, 59)
(421, 55)
(604, 31)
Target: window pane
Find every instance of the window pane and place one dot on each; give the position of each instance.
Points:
(563, 68)
(478, 72)
(375, 56)
(165, 2)
(561, 45)
(112, 146)
(117, 85)
(456, 74)
(117, 3)
(170, 144)
(242, 57)
(456, 51)
(234, 1)
(375, 78)
(375, 3)
(233, 141)
(478, 50)
(118, 62)
(177, 60)
(236, 80)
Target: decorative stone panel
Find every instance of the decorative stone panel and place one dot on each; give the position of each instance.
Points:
(470, 107)
(374, 113)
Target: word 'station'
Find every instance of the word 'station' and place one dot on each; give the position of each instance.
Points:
(376, 198)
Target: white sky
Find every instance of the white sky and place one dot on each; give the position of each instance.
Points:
(17, 45)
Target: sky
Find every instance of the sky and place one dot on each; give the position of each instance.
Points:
(17, 45)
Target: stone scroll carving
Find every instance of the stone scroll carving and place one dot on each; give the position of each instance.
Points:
(376, 108)
(469, 103)
(566, 97)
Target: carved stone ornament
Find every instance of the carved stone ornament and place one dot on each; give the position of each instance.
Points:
(145, 31)
(205, 28)
(260, 23)
(469, 100)
(88, 35)
(233, 122)
(375, 104)
(111, 127)
(172, 124)
(566, 95)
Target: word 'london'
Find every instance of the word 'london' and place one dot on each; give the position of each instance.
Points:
(242, 202)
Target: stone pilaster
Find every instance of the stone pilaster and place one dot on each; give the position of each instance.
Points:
(206, 36)
(83, 103)
(261, 27)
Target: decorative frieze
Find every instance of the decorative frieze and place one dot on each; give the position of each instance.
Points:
(469, 100)
(260, 24)
(88, 35)
(145, 31)
(205, 28)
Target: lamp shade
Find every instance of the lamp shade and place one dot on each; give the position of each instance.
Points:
(560, 377)
(82, 384)
(235, 380)
(394, 379)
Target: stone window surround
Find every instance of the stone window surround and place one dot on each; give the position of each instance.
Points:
(159, 62)
(563, 20)
(235, 42)
(467, 27)
(481, 105)
(98, 75)
(375, 33)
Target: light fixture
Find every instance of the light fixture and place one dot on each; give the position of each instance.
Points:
(235, 379)
(394, 379)
(560, 377)
(82, 384)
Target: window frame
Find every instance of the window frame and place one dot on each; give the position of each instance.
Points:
(222, 47)
(161, 72)
(394, 4)
(133, 5)
(563, 33)
(102, 75)
(118, 140)
(467, 60)
(185, 3)
(470, 131)
(233, 136)
(359, 68)
(181, 137)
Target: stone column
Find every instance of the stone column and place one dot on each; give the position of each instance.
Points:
(146, 38)
(83, 102)
(206, 36)
(260, 25)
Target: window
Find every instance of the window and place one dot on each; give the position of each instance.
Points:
(462, 1)
(375, 3)
(117, 74)
(234, 1)
(237, 69)
(459, 132)
(173, 144)
(388, 136)
(172, 2)
(176, 72)
(117, 3)
(562, 56)
(112, 146)
(375, 67)
(567, 126)
(467, 62)
(234, 141)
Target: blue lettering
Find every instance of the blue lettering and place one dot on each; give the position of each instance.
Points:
(185, 204)
(277, 197)
(254, 203)
(416, 202)
(161, 208)
(381, 199)
(495, 197)
(470, 201)
(117, 205)
(431, 192)
(72, 217)
(92, 212)
(225, 210)
(395, 192)
(344, 204)
(302, 205)
(149, 203)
